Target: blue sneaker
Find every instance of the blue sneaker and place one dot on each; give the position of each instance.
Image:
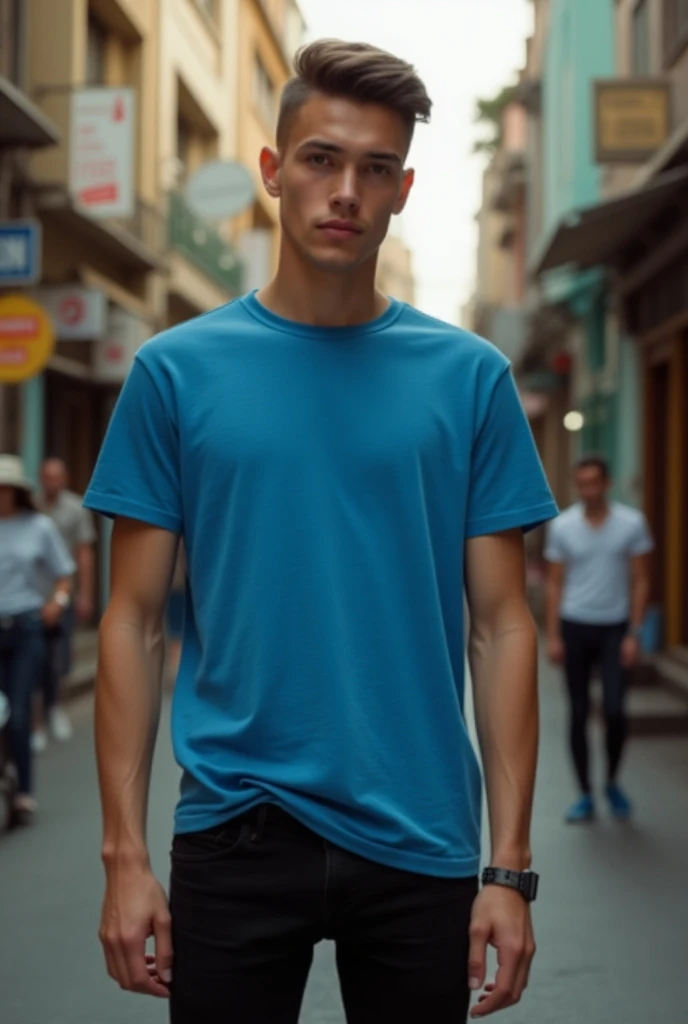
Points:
(621, 807)
(583, 810)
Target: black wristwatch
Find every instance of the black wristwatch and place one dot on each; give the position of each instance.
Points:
(525, 882)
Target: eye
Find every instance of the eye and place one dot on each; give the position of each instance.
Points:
(379, 170)
(319, 160)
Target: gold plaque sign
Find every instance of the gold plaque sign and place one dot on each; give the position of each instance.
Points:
(632, 119)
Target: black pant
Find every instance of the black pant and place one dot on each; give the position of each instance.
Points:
(22, 654)
(588, 645)
(250, 899)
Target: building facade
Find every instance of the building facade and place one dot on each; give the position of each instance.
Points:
(112, 106)
(395, 276)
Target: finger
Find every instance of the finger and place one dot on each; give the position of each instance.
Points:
(162, 929)
(502, 993)
(134, 952)
(526, 964)
(477, 954)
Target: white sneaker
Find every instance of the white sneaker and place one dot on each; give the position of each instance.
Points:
(39, 741)
(60, 726)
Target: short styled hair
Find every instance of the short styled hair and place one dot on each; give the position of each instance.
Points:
(355, 71)
(594, 461)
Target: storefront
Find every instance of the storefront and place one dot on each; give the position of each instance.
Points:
(641, 236)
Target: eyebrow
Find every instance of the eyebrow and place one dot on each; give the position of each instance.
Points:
(330, 147)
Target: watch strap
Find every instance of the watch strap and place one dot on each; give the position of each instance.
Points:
(525, 882)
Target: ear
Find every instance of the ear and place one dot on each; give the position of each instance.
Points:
(270, 167)
(406, 186)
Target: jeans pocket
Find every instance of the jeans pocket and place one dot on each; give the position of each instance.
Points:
(210, 844)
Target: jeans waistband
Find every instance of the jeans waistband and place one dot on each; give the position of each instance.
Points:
(20, 619)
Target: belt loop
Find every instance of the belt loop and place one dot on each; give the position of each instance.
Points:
(257, 834)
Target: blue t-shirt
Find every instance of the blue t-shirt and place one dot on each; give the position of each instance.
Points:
(325, 481)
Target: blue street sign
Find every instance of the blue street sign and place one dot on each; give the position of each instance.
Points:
(20, 252)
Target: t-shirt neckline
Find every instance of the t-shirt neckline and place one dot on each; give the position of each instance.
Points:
(260, 312)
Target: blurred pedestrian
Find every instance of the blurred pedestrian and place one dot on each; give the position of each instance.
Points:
(75, 525)
(597, 594)
(31, 549)
(338, 465)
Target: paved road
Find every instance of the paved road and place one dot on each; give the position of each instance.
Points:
(611, 920)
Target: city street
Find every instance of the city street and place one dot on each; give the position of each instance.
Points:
(610, 920)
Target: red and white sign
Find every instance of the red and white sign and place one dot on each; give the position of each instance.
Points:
(78, 314)
(101, 178)
(114, 354)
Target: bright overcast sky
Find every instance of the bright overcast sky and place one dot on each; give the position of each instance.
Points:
(463, 49)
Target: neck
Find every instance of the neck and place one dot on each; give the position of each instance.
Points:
(597, 510)
(322, 298)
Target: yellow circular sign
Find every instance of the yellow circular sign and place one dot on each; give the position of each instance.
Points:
(27, 339)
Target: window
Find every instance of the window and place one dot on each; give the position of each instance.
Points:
(263, 92)
(675, 28)
(640, 55)
(96, 46)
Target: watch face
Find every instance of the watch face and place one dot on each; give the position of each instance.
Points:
(529, 882)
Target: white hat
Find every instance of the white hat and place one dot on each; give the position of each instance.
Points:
(12, 473)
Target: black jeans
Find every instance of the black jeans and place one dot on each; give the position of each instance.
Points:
(22, 654)
(250, 899)
(588, 645)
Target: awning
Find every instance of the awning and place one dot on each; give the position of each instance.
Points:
(22, 123)
(591, 237)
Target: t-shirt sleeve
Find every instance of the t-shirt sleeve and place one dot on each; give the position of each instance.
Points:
(554, 547)
(642, 543)
(508, 487)
(55, 555)
(137, 474)
(86, 533)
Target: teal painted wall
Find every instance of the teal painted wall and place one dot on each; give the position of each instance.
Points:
(580, 48)
(32, 425)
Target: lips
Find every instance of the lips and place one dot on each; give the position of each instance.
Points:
(340, 228)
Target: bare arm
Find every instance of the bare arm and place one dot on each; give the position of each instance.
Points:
(503, 660)
(128, 697)
(640, 588)
(85, 566)
(640, 593)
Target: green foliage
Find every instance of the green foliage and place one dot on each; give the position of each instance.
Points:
(488, 112)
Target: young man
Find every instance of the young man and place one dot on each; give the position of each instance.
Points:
(337, 464)
(75, 525)
(597, 592)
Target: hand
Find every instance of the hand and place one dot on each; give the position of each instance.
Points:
(135, 908)
(84, 608)
(555, 650)
(630, 651)
(51, 614)
(501, 918)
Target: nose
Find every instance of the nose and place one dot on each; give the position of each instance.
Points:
(345, 198)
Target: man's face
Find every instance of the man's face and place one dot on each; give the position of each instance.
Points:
(53, 478)
(339, 176)
(592, 485)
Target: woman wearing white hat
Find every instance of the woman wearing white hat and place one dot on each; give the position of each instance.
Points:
(31, 552)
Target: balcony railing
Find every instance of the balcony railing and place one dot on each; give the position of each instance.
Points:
(203, 246)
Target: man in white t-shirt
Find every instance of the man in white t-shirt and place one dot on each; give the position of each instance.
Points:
(597, 593)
